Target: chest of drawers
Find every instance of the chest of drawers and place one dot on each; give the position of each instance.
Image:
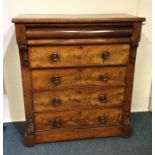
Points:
(77, 73)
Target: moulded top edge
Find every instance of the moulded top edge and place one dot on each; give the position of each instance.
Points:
(76, 18)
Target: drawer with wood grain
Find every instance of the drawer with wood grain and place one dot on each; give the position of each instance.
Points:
(77, 119)
(77, 98)
(76, 32)
(72, 77)
(77, 74)
(86, 55)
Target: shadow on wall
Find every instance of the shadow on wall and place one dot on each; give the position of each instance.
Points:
(12, 78)
(142, 77)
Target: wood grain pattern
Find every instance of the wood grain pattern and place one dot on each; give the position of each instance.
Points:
(77, 119)
(88, 41)
(77, 74)
(43, 79)
(82, 32)
(76, 98)
(26, 83)
(42, 137)
(20, 34)
(76, 18)
(40, 56)
(128, 93)
(67, 25)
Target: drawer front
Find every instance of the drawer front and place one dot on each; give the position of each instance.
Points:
(75, 98)
(61, 56)
(76, 31)
(63, 78)
(77, 119)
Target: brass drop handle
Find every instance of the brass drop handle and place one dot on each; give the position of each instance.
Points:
(57, 123)
(102, 119)
(56, 101)
(56, 79)
(103, 99)
(54, 57)
(104, 78)
(105, 55)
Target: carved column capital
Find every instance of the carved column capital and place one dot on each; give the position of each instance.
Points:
(30, 126)
(126, 120)
(24, 52)
(133, 52)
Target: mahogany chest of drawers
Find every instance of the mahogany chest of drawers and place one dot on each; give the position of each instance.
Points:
(77, 73)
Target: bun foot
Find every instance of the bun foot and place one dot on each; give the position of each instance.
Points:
(127, 132)
(29, 140)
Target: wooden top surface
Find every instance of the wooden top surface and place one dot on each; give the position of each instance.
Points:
(75, 18)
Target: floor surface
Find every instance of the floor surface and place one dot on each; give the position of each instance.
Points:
(139, 144)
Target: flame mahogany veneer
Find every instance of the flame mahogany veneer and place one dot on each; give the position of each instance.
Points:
(77, 73)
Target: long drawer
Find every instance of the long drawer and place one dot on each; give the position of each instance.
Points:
(77, 98)
(84, 55)
(76, 31)
(77, 119)
(63, 78)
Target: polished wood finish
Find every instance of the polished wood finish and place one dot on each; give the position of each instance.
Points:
(78, 98)
(79, 18)
(42, 137)
(77, 119)
(82, 32)
(78, 41)
(77, 73)
(65, 78)
(41, 56)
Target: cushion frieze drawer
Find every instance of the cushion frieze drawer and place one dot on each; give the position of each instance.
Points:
(92, 55)
(77, 74)
(62, 78)
(77, 119)
(76, 98)
(74, 32)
